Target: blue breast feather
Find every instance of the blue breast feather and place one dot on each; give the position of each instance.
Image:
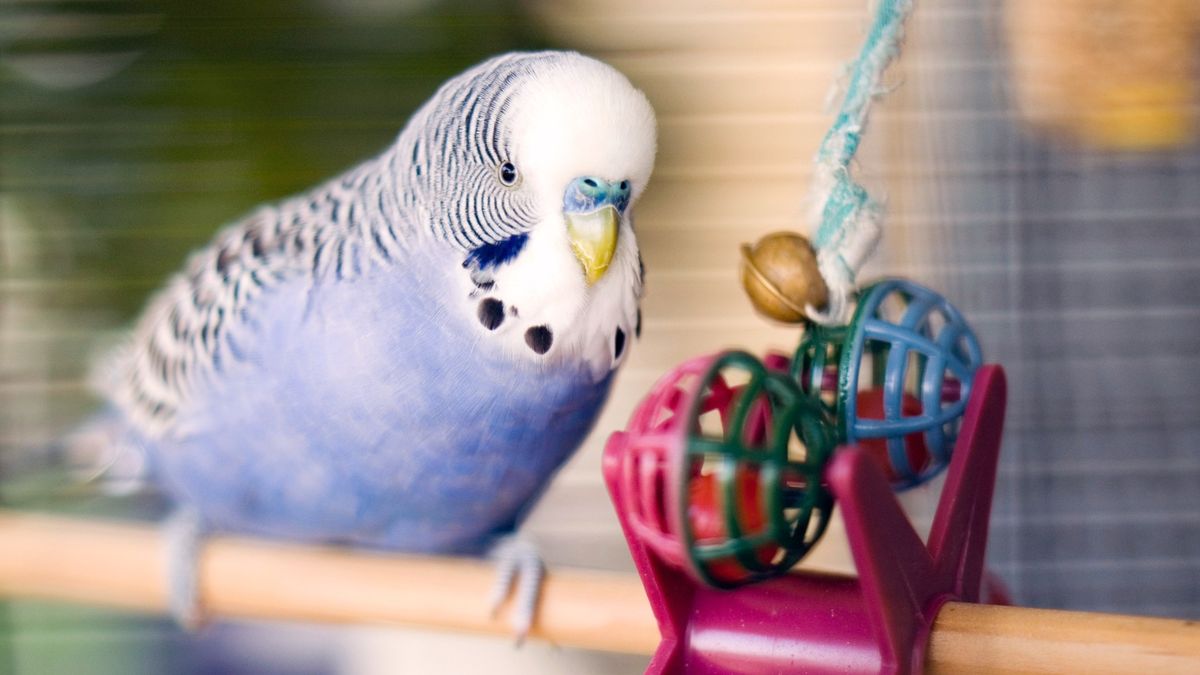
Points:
(365, 414)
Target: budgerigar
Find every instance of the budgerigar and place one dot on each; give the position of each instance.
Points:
(402, 357)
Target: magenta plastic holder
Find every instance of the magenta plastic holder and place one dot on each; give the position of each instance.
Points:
(807, 622)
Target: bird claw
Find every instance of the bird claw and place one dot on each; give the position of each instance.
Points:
(184, 533)
(519, 565)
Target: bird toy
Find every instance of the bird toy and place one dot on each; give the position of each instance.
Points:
(728, 453)
(713, 520)
(737, 447)
(730, 468)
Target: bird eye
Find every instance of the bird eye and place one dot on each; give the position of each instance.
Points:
(508, 174)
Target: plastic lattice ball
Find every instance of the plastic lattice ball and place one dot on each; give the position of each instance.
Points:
(721, 469)
(755, 503)
(896, 378)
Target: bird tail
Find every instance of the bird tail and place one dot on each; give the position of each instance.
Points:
(104, 454)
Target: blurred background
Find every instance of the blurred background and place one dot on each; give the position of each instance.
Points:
(1038, 160)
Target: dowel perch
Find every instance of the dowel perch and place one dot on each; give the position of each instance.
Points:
(121, 565)
(982, 639)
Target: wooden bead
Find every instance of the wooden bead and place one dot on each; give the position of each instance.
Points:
(781, 277)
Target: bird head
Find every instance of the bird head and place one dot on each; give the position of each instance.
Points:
(531, 164)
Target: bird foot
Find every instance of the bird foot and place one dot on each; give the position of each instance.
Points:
(184, 533)
(519, 566)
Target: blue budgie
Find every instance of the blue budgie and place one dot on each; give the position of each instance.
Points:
(402, 357)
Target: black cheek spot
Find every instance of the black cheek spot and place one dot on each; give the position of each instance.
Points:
(637, 330)
(491, 313)
(618, 343)
(539, 339)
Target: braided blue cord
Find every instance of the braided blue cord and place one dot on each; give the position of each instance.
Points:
(847, 228)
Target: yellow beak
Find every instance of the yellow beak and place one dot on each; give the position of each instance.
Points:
(594, 239)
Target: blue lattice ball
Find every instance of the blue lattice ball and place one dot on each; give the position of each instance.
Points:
(896, 378)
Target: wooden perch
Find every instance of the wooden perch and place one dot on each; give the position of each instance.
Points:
(122, 565)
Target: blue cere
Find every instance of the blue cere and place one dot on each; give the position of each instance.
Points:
(588, 193)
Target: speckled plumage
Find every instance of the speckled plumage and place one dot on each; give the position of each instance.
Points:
(354, 364)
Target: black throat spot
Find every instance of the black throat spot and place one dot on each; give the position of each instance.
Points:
(539, 339)
(491, 313)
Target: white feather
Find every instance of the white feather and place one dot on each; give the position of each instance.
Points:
(576, 117)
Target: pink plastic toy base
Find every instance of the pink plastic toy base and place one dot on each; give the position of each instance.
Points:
(817, 623)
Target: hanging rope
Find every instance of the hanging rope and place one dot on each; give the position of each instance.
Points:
(844, 218)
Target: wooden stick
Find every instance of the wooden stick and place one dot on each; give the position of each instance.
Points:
(988, 639)
(122, 565)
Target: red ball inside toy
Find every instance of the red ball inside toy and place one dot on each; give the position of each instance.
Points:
(706, 516)
(870, 407)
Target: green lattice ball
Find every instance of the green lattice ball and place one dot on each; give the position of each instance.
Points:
(752, 500)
